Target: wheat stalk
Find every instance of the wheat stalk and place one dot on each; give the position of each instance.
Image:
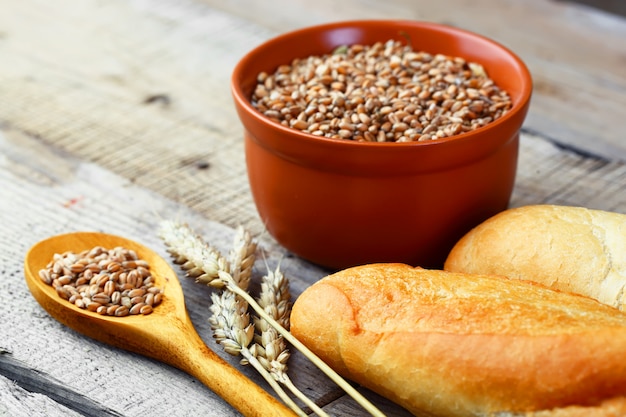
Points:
(209, 267)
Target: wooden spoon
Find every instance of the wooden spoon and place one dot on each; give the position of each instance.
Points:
(166, 335)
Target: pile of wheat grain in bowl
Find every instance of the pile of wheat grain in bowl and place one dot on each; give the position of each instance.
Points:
(113, 282)
(384, 92)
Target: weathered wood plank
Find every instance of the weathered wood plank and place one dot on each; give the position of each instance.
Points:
(91, 97)
(37, 382)
(611, 6)
(116, 114)
(148, 98)
(550, 174)
(97, 105)
(69, 195)
(17, 402)
(74, 196)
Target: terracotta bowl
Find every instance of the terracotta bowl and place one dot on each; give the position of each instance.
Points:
(340, 203)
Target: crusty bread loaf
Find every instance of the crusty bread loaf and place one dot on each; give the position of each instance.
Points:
(567, 248)
(450, 344)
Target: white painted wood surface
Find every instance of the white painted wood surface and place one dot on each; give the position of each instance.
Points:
(116, 114)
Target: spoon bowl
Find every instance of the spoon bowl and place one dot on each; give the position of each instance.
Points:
(166, 334)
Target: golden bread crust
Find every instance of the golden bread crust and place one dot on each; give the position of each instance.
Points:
(571, 249)
(453, 344)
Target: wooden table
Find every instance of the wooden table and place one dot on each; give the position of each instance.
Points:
(117, 114)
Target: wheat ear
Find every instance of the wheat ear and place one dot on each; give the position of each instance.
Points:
(180, 239)
(232, 329)
(230, 320)
(334, 376)
(198, 260)
(273, 354)
(241, 257)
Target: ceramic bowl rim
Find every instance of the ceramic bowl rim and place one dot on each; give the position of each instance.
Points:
(243, 101)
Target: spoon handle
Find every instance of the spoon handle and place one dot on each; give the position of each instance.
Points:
(188, 352)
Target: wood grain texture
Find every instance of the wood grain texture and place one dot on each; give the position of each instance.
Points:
(16, 401)
(576, 55)
(114, 115)
(74, 196)
(82, 197)
(52, 391)
(611, 6)
(148, 97)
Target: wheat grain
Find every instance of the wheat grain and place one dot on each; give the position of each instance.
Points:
(96, 280)
(384, 92)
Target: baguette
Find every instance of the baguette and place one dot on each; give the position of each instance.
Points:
(571, 249)
(450, 344)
